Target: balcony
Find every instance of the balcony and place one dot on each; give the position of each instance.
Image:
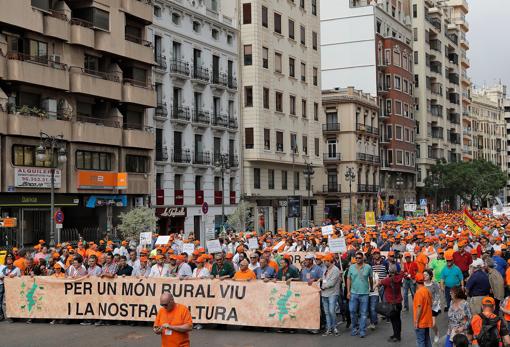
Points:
(138, 92)
(454, 118)
(220, 120)
(435, 22)
(138, 136)
(459, 3)
(453, 78)
(232, 123)
(161, 155)
(436, 45)
(3, 66)
(200, 75)
(181, 157)
(138, 49)
(56, 24)
(465, 61)
(90, 82)
(331, 188)
(202, 159)
(180, 114)
(436, 110)
(82, 33)
(219, 81)
(367, 129)
(26, 122)
(367, 158)
(201, 118)
(233, 161)
(161, 111)
(232, 83)
(179, 69)
(97, 130)
(161, 64)
(330, 128)
(38, 70)
(437, 133)
(332, 158)
(454, 138)
(142, 9)
(453, 38)
(21, 14)
(462, 22)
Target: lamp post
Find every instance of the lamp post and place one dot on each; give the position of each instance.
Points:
(308, 173)
(399, 183)
(350, 176)
(50, 144)
(435, 184)
(222, 164)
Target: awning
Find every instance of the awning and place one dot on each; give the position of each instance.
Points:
(107, 200)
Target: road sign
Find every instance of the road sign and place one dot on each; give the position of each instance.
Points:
(59, 217)
(409, 207)
(205, 207)
(59, 226)
(423, 202)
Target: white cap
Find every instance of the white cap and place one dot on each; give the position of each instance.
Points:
(478, 263)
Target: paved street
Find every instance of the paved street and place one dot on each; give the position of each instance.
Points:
(46, 335)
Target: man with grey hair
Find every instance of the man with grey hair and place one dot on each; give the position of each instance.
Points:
(496, 281)
(477, 286)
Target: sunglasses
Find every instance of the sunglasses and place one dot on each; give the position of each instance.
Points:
(359, 258)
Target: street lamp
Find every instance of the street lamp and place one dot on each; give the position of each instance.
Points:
(222, 164)
(399, 182)
(52, 143)
(308, 173)
(350, 176)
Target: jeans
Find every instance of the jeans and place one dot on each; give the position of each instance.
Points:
(447, 342)
(329, 305)
(396, 321)
(358, 304)
(1, 301)
(409, 286)
(374, 299)
(423, 337)
(447, 297)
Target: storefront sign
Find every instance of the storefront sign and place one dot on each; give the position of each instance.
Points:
(174, 212)
(33, 177)
(37, 200)
(101, 180)
(107, 200)
(294, 204)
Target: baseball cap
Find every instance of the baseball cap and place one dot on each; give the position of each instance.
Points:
(488, 301)
(309, 256)
(419, 278)
(407, 254)
(478, 263)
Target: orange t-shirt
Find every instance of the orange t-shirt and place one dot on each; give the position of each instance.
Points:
(82, 252)
(245, 275)
(507, 277)
(477, 322)
(178, 316)
(20, 264)
(423, 298)
(273, 264)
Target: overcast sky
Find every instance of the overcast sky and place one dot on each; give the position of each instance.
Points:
(489, 43)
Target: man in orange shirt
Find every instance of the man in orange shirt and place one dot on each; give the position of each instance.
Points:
(488, 318)
(244, 273)
(422, 313)
(20, 262)
(173, 323)
(507, 279)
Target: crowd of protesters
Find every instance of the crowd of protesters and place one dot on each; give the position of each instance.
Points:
(431, 265)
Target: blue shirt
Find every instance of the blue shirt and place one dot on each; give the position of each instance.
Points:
(500, 265)
(268, 272)
(315, 273)
(359, 278)
(452, 276)
(478, 284)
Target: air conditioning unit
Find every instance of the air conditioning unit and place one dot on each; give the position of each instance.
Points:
(55, 58)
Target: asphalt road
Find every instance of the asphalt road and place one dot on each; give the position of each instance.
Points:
(40, 334)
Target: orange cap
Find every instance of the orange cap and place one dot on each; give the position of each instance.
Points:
(488, 301)
(419, 278)
(229, 256)
(407, 254)
(474, 251)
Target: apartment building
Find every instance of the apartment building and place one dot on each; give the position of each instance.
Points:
(79, 71)
(197, 113)
(441, 82)
(368, 45)
(351, 158)
(506, 110)
(281, 99)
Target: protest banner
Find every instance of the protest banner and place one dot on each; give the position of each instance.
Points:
(370, 219)
(327, 230)
(146, 238)
(255, 303)
(163, 240)
(337, 245)
(188, 248)
(471, 223)
(213, 246)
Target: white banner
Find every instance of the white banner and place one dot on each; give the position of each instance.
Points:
(146, 238)
(35, 177)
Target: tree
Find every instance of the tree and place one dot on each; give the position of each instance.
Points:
(241, 219)
(135, 221)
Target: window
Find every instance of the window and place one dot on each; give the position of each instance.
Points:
(398, 81)
(256, 178)
(292, 105)
(279, 101)
(296, 180)
(270, 178)
(396, 58)
(230, 39)
(291, 29)
(265, 98)
(98, 18)
(315, 111)
(303, 35)
(284, 180)
(398, 132)
(314, 7)
(265, 57)
(278, 62)
(389, 131)
(390, 156)
(314, 40)
(248, 96)
(248, 57)
(25, 156)
(100, 161)
(157, 11)
(317, 148)
(305, 144)
(264, 17)
(415, 11)
(247, 13)
(400, 158)
(302, 4)
(315, 76)
(407, 135)
(278, 23)
(303, 108)
(387, 82)
(292, 67)
(248, 138)
(303, 72)
(293, 143)
(398, 107)
(137, 164)
(215, 33)
(389, 105)
(176, 18)
(267, 139)
(279, 141)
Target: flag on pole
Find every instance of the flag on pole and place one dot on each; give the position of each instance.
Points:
(471, 223)
(380, 203)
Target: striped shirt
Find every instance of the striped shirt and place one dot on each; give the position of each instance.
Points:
(380, 269)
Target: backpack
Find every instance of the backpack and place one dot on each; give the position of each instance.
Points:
(489, 334)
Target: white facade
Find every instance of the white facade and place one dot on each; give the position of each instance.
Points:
(196, 121)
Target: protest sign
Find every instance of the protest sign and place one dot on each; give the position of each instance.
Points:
(146, 238)
(327, 230)
(370, 219)
(213, 246)
(253, 243)
(279, 244)
(163, 240)
(276, 305)
(188, 248)
(337, 245)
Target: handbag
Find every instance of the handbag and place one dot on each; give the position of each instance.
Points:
(385, 308)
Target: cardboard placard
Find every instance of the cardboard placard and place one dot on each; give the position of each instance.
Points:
(213, 246)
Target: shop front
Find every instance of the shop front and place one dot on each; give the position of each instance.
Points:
(171, 219)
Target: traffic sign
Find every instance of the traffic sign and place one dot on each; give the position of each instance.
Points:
(59, 217)
(423, 202)
(205, 207)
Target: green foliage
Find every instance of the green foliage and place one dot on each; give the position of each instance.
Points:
(473, 180)
(241, 219)
(135, 221)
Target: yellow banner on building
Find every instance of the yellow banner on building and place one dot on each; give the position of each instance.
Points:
(471, 223)
(370, 219)
(254, 303)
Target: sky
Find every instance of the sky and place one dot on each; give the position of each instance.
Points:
(489, 42)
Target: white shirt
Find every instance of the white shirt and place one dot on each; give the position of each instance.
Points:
(184, 270)
(252, 266)
(5, 272)
(158, 271)
(204, 273)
